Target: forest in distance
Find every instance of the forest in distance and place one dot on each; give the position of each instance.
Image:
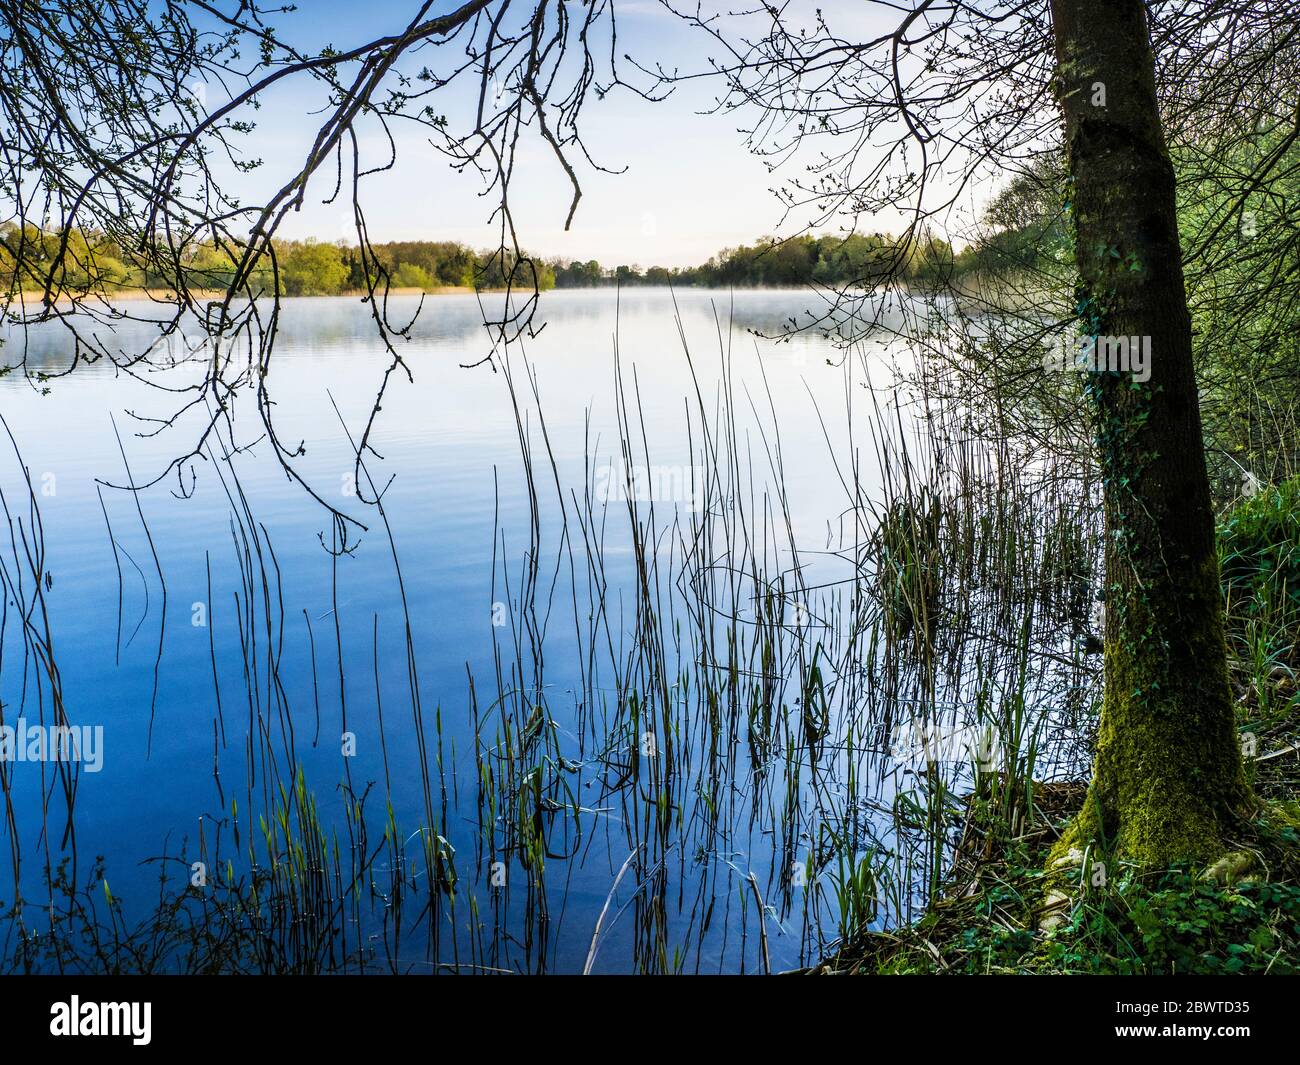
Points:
(94, 262)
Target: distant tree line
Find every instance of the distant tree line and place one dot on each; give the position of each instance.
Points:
(319, 268)
(840, 260)
(92, 261)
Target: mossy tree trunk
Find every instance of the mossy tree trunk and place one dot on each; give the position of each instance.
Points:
(1168, 782)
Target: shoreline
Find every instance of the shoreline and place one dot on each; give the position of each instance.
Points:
(169, 296)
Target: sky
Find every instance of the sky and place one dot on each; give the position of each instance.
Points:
(688, 185)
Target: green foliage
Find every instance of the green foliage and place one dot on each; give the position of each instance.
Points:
(1259, 554)
(851, 260)
(1172, 922)
(312, 269)
(319, 268)
(94, 262)
(441, 262)
(504, 269)
(1241, 247)
(909, 563)
(579, 274)
(408, 275)
(1243, 281)
(1180, 923)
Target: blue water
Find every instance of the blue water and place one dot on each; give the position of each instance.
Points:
(447, 448)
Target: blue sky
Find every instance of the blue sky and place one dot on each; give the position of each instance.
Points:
(690, 186)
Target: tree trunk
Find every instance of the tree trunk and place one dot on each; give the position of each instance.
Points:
(1168, 782)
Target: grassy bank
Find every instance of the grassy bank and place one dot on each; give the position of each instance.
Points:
(1240, 914)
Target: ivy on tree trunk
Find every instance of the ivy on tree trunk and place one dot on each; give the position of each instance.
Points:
(1168, 782)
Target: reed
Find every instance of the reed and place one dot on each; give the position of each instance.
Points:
(726, 747)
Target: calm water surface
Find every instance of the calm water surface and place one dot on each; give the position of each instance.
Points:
(448, 448)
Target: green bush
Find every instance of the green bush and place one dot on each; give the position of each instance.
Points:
(408, 275)
(1181, 924)
(1259, 554)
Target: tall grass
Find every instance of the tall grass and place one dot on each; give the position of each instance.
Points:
(730, 753)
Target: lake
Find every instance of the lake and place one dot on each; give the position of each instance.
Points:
(574, 700)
